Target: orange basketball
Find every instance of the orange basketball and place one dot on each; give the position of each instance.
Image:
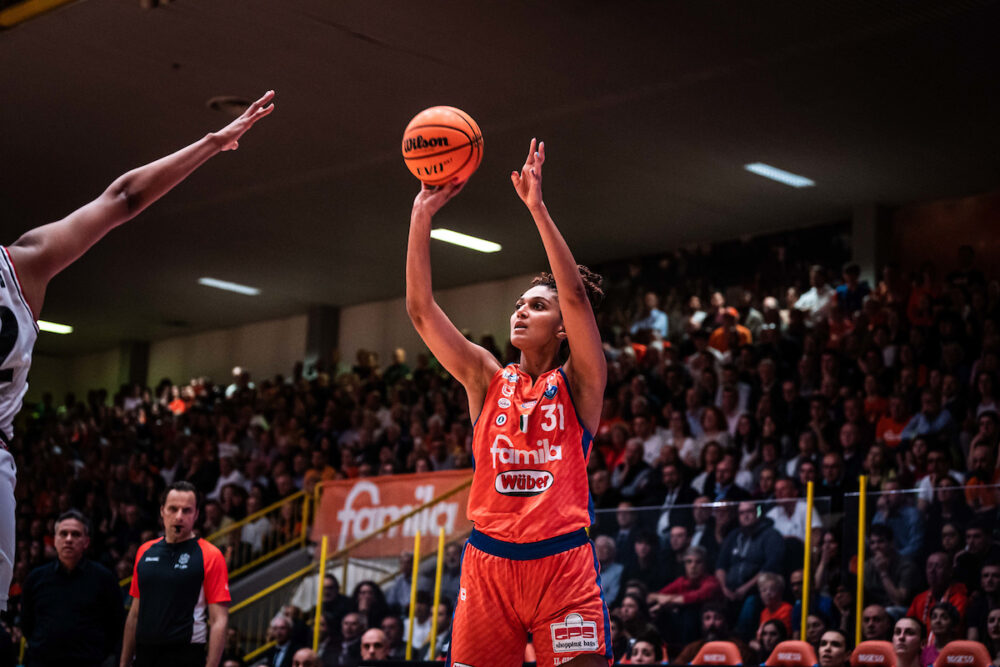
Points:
(441, 144)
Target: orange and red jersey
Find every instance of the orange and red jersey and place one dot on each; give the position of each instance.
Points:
(530, 457)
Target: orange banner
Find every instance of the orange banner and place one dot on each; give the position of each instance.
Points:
(352, 509)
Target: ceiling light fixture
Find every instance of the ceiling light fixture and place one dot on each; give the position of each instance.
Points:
(780, 175)
(464, 240)
(228, 286)
(52, 327)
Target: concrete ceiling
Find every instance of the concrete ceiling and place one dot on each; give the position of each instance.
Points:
(649, 110)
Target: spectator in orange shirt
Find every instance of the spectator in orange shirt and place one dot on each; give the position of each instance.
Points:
(889, 429)
(730, 323)
(772, 587)
(980, 489)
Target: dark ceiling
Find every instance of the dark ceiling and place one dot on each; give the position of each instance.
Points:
(649, 111)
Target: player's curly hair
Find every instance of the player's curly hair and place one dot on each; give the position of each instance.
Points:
(591, 282)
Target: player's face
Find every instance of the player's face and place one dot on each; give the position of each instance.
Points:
(179, 513)
(536, 319)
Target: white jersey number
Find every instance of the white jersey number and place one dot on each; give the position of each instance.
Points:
(550, 417)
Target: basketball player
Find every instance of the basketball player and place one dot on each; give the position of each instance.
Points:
(528, 565)
(27, 266)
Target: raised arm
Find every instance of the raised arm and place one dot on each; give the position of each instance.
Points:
(469, 363)
(586, 368)
(45, 251)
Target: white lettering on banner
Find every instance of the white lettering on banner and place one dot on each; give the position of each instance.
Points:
(871, 657)
(359, 522)
(959, 659)
(714, 657)
(543, 452)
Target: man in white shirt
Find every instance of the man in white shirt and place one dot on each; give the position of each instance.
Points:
(789, 515)
(819, 300)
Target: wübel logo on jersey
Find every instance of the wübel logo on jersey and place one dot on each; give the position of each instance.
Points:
(574, 634)
(523, 482)
(504, 451)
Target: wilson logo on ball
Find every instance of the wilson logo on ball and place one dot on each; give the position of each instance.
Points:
(418, 142)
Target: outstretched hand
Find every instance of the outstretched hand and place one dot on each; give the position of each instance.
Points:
(230, 134)
(431, 198)
(528, 183)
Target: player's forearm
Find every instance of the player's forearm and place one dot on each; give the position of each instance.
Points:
(216, 643)
(419, 292)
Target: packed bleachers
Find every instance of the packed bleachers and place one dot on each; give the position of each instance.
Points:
(746, 384)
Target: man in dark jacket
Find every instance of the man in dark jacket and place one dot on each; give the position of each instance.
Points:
(753, 548)
(72, 608)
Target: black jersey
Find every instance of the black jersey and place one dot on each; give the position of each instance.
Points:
(175, 583)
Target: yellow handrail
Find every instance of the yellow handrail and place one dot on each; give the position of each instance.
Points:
(413, 594)
(807, 558)
(248, 658)
(319, 593)
(862, 518)
(437, 592)
(253, 517)
(273, 587)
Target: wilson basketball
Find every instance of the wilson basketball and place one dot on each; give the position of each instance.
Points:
(441, 144)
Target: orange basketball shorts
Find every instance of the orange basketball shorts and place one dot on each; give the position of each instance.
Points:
(550, 589)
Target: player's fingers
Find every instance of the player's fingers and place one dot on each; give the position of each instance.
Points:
(541, 151)
(515, 178)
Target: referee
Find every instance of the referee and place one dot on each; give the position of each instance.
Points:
(180, 589)
(72, 611)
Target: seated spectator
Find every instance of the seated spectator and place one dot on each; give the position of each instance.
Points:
(397, 593)
(772, 587)
(675, 607)
(942, 588)
(906, 522)
(678, 542)
(981, 490)
(730, 330)
(890, 427)
(829, 571)
(755, 547)
(392, 626)
(788, 516)
(834, 649)
(703, 534)
(948, 508)
(991, 635)
(674, 498)
(979, 549)
(876, 624)
(807, 452)
(370, 602)
(932, 420)
(945, 623)
(611, 571)
(421, 620)
(634, 616)
(771, 634)
(715, 627)
(816, 626)
(722, 484)
(651, 319)
(819, 300)
(647, 650)
(605, 497)
(890, 579)
(450, 573)
(711, 454)
(628, 531)
(632, 475)
(909, 637)
(982, 601)
(646, 565)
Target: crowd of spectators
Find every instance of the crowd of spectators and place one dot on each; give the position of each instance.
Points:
(721, 405)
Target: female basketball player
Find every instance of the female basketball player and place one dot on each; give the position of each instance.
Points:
(39, 254)
(528, 566)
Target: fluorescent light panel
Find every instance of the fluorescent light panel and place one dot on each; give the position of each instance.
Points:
(780, 175)
(52, 327)
(228, 286)
(464, 240)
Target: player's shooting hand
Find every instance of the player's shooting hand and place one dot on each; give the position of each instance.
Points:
(229, 135)
(431, 198)
(528, 183)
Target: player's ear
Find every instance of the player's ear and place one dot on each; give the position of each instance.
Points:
(561, 332)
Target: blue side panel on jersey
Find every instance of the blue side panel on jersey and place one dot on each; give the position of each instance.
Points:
(608, 650)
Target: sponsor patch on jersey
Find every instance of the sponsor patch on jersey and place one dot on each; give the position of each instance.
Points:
(523, 482)
(182, 562)
(151, 559)
(527, 405)
(542, 453)
(507, 390)
(574, 634)
(551, 391)
(503, 403)
(501, 420)
(509, 376)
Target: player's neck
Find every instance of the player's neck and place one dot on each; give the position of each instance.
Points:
(536, 363)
